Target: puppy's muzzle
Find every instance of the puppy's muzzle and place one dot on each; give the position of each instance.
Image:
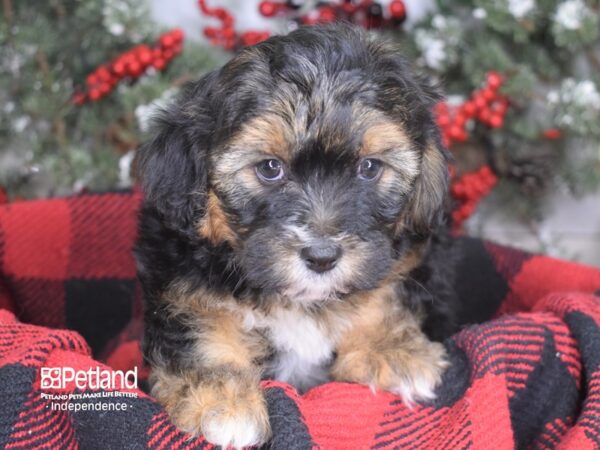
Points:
(321, 256)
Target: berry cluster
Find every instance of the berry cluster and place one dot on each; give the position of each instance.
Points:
(486, 105)
(469, 189)
(225, 35)
(367, 13)
(131, 65)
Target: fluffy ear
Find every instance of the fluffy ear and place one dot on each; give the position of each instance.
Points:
(172, 166)
(426, 206)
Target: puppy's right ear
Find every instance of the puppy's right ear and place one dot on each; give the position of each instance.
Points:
(172, 166)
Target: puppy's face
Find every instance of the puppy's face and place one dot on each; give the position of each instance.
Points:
(313, 189)
(321, 160)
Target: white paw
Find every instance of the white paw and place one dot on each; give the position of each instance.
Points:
(235, 431)
(414, 390)
(417, 380)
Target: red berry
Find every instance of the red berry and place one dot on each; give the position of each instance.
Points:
(484, 115)
(309, 20)
(456, 132)
(177, 34)
(166, 40)
(159, 64)
(479, 186)
(349, 8)
(134, 68)
(220, 13)
(458, 190)
(211, 32)
(469, 109)
(228, 33)
(327, 14)
(267, 9)
(440, 108)
(397, 9)
(443, 120)
(168, 54)
(479, 101)
(468, 209)
(494, 80)
(103, 74)
(145, 56)
(91, 79)
(460, 120)
(488, 94)
(118, 67)
(128, 58)
(94, 94)
(552, 133)
(104, 88)
(496, 120)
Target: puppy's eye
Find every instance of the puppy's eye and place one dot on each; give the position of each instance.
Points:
(369, 169)
(270, 170)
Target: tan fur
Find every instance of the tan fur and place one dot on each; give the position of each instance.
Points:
(385, 348)
(222, 390)
(217, 324)
(198, 404)
(384, 136)
(223, 341)
(269, 134)
(214, 225)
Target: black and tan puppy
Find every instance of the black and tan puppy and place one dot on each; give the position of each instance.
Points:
(293, 228)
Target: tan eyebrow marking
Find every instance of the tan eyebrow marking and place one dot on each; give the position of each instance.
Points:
(383, 136)
(267, 133)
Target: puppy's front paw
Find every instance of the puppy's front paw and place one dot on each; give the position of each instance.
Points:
(411, 370)
(227, 413)
(226, 426)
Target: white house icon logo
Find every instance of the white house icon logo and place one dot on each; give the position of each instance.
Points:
(51, 378)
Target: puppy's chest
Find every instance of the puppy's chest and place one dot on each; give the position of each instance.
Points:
(303, 347)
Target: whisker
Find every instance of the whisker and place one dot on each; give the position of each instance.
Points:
(422, 287)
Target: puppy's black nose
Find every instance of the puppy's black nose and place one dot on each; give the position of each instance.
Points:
(321, 256)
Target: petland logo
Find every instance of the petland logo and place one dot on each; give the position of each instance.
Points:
(94, 378)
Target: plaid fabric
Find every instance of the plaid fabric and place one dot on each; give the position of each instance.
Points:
(528, 378)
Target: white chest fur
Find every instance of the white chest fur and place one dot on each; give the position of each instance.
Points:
(303, 349)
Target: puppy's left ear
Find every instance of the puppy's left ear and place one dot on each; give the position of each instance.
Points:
(172, 167)
(426, 206)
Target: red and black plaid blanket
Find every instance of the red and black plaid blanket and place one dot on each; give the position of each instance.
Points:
(528, 378)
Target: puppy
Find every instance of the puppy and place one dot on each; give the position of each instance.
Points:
(294, 228)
